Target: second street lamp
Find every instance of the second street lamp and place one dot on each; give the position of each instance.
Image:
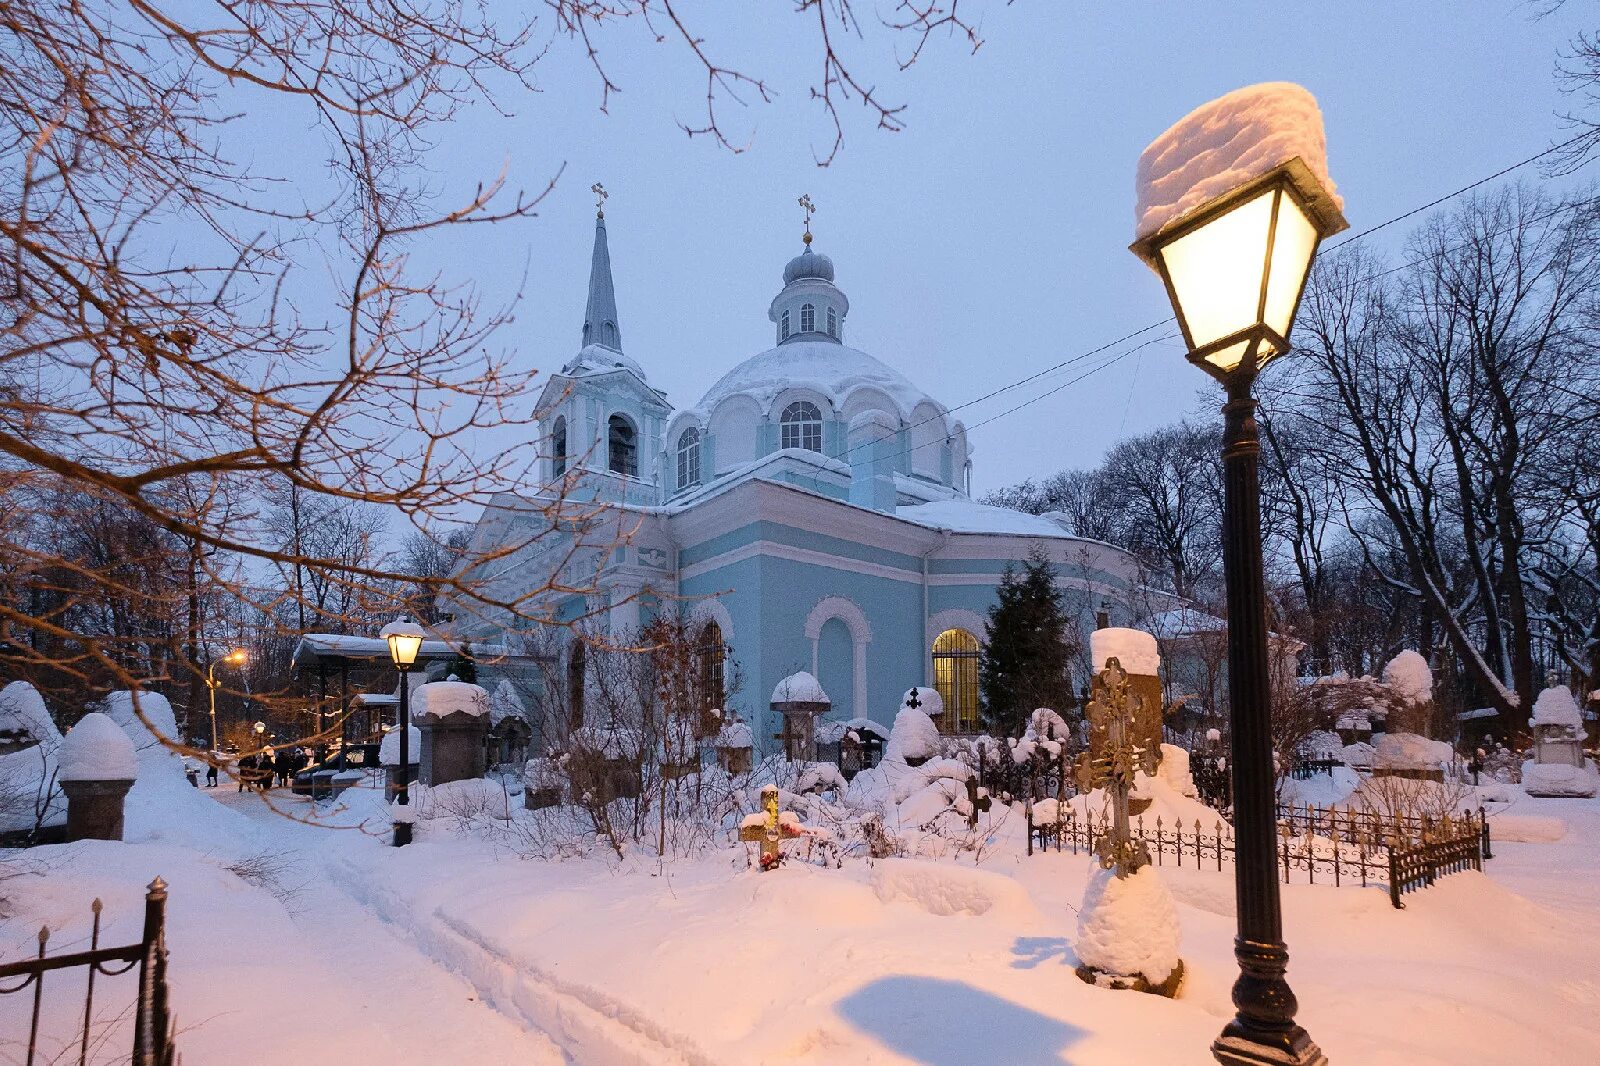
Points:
(405, 641)
(1235, 266)
(235, 656)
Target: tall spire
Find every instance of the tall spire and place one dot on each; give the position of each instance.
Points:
(600, 316)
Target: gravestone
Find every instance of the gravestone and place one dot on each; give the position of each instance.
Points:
(453, 721)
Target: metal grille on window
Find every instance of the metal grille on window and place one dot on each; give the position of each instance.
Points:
(783, 327)
(558, 447)
(955, 675)
(833, 323)
(713, 659)
(802, 426)
(808, 318)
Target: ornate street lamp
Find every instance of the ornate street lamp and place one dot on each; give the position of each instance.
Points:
(405, 640)
(1234, 266)
(212, 684)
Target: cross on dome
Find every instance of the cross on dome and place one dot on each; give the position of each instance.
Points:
(600, 196)
(810, 209)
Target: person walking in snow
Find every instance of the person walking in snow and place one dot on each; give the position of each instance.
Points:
(245, 770)
(211, 770)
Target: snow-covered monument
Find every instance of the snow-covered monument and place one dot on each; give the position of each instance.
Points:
(813, 506)
(1558, 766)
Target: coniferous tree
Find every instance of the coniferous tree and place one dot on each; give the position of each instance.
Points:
(1025, 661)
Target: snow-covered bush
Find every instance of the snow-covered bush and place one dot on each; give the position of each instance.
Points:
(389, 749)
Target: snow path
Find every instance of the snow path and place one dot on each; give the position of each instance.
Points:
(409, 1007)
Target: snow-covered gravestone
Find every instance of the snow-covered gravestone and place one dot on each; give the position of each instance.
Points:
(913, 739)
(98, 767)
(734, 743)
(389, 758)
(1127, 926)
(800, 700)
(453, 717)
(1558, 766)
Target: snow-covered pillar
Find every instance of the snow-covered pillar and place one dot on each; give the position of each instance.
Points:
(454, 722)
(98, 767)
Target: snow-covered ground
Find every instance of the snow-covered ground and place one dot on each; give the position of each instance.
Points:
(455, 949)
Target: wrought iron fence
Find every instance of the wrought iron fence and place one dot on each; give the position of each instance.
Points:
(1334, 852)
(1397, 829)
(153, 1031)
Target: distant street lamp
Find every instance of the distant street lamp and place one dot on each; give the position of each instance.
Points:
(235, 656)
(1235, 268)
(405, 640)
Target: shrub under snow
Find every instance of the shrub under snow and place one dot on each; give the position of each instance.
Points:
(1128, 926)
(1409, 677)
(914, 736)
(389, 750)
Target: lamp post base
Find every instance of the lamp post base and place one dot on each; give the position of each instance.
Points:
(402, 834)
(1294, 1048)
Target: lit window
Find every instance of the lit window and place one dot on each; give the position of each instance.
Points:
(808, 318)
(689, 458)
(833, 323)
(802, 426)
(623, 447)
(955, 675)
(558, 447)
(783, 327)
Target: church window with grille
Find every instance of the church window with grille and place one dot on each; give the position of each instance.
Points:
(955, 675)
(808, 318)
(783, 327)
(558, 446)
(802, 426)
(713, 664)
(688, 458)
(833, 323)
(622, 446)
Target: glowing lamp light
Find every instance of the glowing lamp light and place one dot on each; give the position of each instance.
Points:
(405, 640)
(1235, 267)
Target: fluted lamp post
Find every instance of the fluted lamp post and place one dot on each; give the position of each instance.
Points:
(1234, 267)
(405, 640)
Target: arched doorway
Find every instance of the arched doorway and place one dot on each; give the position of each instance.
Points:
(955, 675)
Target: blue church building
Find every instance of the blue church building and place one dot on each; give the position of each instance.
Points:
(814, 505)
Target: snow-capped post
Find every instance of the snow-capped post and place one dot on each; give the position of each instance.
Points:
(1127, 926)
(453, 717)
(1232, 203)
(98, 767)
(800, 701)
(405, 641)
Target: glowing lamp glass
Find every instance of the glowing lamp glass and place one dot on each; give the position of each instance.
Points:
(403, 647)
(1235, 269)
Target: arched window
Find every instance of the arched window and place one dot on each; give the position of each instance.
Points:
(688, 458)
(808, 318)
(801, 426)
(558, 446)
(955, 675)
(783, 326)
(622, 446)
(833, 323)
(713, 664)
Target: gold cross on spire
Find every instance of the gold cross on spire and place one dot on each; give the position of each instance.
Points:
(810, 209)
(600, 195)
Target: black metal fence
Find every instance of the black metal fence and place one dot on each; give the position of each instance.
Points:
(153, 1043)
(1308, 848)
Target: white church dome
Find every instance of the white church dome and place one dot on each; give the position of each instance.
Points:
(824, 366)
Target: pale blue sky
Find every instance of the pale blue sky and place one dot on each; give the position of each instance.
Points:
(988, 240)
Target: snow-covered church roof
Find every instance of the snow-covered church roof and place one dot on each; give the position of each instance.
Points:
(835, 370)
